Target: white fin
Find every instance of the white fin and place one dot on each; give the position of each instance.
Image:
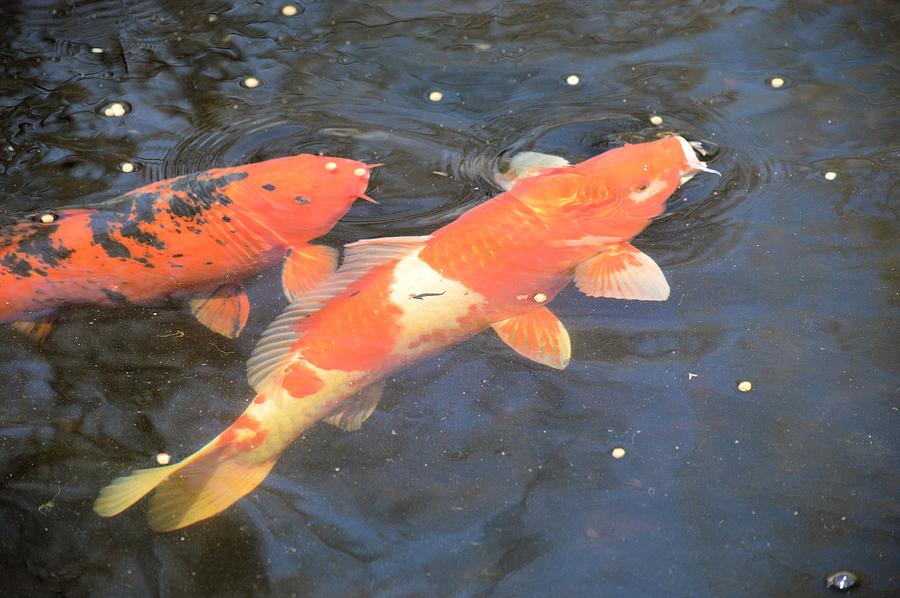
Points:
(274, 347)
(358, 408)
(622, 272)
(528, 164)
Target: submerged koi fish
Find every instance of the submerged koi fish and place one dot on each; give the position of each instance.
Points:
(397, 300)
(197, 235)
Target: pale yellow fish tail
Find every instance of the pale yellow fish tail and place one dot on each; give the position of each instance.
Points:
(204, 484)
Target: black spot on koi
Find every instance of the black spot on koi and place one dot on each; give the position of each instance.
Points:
(421, 296)
(39, 244)
(16, 265)
(100, 229)
(131, 231)
(113, 296)
(200, 195)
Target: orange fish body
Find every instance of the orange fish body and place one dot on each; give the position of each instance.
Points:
(395, 301)
(196, 235)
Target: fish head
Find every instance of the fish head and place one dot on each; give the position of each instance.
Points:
(335, 182)
(639, 178)
(617, 193)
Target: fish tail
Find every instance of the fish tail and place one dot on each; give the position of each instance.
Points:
(204, 484)
(127, 490)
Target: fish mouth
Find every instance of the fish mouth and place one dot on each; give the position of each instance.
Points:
(368, 168)
(694, 164)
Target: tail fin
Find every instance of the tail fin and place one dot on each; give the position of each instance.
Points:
(127, 490)
(204, 484)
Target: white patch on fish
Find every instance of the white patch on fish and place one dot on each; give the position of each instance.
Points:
(428, 300)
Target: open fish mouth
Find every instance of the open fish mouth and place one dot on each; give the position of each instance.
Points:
(698, 147)
(692, 152)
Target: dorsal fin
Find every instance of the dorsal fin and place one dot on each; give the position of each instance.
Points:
(274, 347)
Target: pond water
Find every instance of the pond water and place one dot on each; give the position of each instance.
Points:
(481, 473)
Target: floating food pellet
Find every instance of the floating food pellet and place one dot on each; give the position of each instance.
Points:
(435, 96)
(163, 458)
(618, 452)
(745, 386)
(359, 171)
(115, 109)
(250, 83)
(776, 82)
(126, 167)
(96, 50)
(540, 297)
(289, 10)
(331, 166)
(47, 218)
(830, 175)
(841, 580)
(573, 79)
(656, 120)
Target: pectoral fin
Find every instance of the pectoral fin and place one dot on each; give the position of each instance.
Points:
(305, 267)
(622, 272)
(537, 335)
(223, 311)
(358, 409)
(37, 330)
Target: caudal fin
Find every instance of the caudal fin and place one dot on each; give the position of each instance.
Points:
(199, 487)
(127, 490)
(202, 489)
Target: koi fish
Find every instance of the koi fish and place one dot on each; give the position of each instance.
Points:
(395, 301)
(197, 235)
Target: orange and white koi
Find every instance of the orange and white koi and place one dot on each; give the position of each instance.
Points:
(395, 301)
(197, 235)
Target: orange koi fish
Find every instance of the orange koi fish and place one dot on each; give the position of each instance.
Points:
(395, 301)
(197, 235)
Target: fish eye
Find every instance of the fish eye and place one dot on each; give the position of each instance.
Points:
(45, 218)
(643, 186)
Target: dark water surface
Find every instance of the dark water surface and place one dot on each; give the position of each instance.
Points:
(481, 473)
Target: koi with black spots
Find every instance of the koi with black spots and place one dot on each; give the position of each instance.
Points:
(197, 236)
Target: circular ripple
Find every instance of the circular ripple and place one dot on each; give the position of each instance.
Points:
(434, 172)
(703, 206)
(431, 174)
